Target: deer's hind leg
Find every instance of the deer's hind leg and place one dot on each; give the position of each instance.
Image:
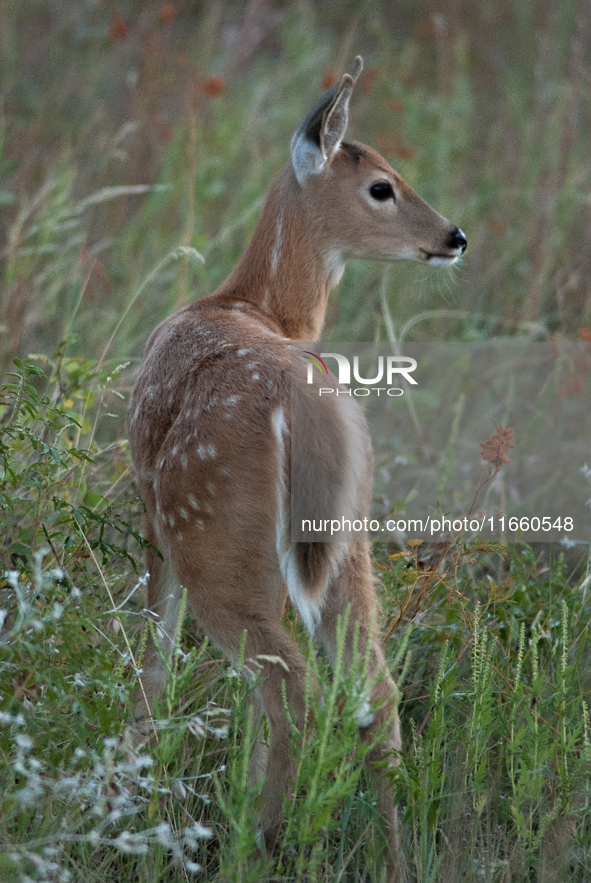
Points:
(242, 600)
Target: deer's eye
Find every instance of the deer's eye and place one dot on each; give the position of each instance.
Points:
(382, 190)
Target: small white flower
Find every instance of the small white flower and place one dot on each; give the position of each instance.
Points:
(143, 760)
(196, 726)
(196, 832)
(219, 732)
(179, 792)
(164, 834)
(134, 844)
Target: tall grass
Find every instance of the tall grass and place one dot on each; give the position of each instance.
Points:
(133, 140)
(493, 663)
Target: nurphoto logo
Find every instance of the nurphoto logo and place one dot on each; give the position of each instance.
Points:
(394, 365)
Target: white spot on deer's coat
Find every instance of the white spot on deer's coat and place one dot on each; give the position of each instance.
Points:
(184, 460)
(184, 513)
(210, 488)
(231, 400)
(256, 376)
(192, 501)
(241, 352)
(211, 451)
(200, 524)
(175, 451)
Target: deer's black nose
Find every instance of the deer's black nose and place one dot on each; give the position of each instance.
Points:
(457, 239)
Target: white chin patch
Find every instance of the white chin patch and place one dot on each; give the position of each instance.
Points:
(439, 261)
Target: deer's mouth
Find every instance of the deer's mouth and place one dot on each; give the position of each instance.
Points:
(456, 243)
(436, 259)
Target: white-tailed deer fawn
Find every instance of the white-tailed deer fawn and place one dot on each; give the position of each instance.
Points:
(209, 423)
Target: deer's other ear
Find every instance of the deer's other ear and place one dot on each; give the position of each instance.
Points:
(321, 133)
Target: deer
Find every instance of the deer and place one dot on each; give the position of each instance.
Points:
(209, 432)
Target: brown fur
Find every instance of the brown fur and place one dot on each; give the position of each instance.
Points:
(209, 424)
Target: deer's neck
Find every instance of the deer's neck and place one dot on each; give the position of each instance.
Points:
(287, 269)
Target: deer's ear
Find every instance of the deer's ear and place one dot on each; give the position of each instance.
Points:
(321, 133)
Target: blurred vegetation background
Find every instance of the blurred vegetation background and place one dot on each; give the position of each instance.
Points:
(129, 128)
